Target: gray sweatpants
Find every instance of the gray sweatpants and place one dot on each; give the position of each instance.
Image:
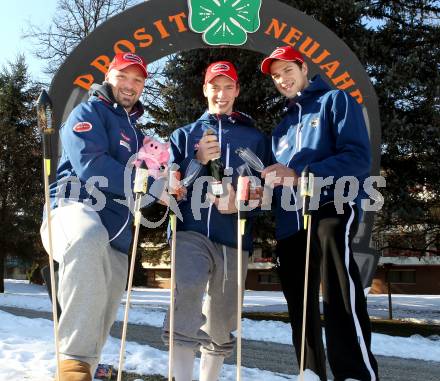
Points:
(92, 278)
(205, 265)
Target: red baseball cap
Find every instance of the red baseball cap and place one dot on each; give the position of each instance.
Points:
(221, 68)
(123, 60)
(283, 53)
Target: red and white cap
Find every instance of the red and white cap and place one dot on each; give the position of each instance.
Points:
(221, 68)
(123, 60)
(283, 53)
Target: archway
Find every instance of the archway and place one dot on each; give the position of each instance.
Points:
(158, 28)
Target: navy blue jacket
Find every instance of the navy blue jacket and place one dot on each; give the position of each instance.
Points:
(325, 129)
(98, 139)
(236, 131)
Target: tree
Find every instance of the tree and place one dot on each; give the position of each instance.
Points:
(404, 64)
(73, 21)
(21, 189)
(397, 42)
(182, 100)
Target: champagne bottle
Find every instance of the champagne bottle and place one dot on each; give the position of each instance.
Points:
(216, 169)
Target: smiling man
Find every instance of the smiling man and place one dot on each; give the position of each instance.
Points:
(323, 129)
(206, 248)
(91, 230)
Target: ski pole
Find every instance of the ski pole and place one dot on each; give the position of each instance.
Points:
(242, 196)
(44, 117)
(140, 188)
(307, 180)
(174, 177)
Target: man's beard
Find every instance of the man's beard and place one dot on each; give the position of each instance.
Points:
(126, 103)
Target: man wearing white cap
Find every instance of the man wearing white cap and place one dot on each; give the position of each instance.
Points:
(323, 129)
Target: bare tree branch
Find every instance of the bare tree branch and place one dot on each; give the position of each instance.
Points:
(73, 21)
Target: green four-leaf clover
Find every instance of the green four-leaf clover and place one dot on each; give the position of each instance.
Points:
(224, 22)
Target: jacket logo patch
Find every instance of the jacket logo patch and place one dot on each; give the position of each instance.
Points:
(82, 127)
(314, 123)
(132, 58)
(125, 137)
(125, 144)
(220, 68)
(278, 52)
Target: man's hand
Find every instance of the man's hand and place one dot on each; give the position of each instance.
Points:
(225, 203)
(209, 148)
(278, 174)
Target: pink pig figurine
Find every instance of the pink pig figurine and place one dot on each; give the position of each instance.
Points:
(155, 154)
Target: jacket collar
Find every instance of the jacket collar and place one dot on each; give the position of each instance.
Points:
(104, 93)
(235, 117)
(316, 86)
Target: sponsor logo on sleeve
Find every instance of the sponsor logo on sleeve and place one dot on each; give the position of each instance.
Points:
(125, 137)
(125, 144)
(82, 127)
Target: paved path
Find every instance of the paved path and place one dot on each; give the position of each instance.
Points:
(270, 356)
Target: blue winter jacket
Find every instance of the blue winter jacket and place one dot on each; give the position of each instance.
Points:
(98, 139)
(234, 131)
(325, 129)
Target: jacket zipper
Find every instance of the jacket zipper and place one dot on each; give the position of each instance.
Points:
(208, 221)
(298, 147)
(129, 211)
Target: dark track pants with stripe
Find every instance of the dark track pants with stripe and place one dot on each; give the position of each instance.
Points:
(348, 330)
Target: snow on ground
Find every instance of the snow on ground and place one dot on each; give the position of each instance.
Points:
(27, 353)
(26, 345)
(419, 308)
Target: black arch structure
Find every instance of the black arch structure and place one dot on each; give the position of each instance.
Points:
(158, 28)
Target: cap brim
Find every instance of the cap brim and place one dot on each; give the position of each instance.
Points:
(265, 65)
(218, 75)
(127, 64)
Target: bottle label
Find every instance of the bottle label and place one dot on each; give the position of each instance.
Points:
(217, 188)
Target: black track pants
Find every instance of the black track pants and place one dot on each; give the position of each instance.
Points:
(348, 330)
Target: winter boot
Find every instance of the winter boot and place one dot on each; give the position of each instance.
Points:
(183, 363)
(210, 367)
(74, 370)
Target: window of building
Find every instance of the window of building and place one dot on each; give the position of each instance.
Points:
(161, 275)
(402, 276)
(268, 278)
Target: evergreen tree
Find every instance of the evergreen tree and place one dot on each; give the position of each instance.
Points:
(404, 63)
(21, 190)
(397, 42)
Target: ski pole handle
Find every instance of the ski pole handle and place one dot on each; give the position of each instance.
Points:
(141, 179)
(174, 182)
(243, 190)
(307, 184)
(45, 125)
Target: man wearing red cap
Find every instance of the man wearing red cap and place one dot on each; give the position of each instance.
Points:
(323, 129)
(91, 229)
(206, 248)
